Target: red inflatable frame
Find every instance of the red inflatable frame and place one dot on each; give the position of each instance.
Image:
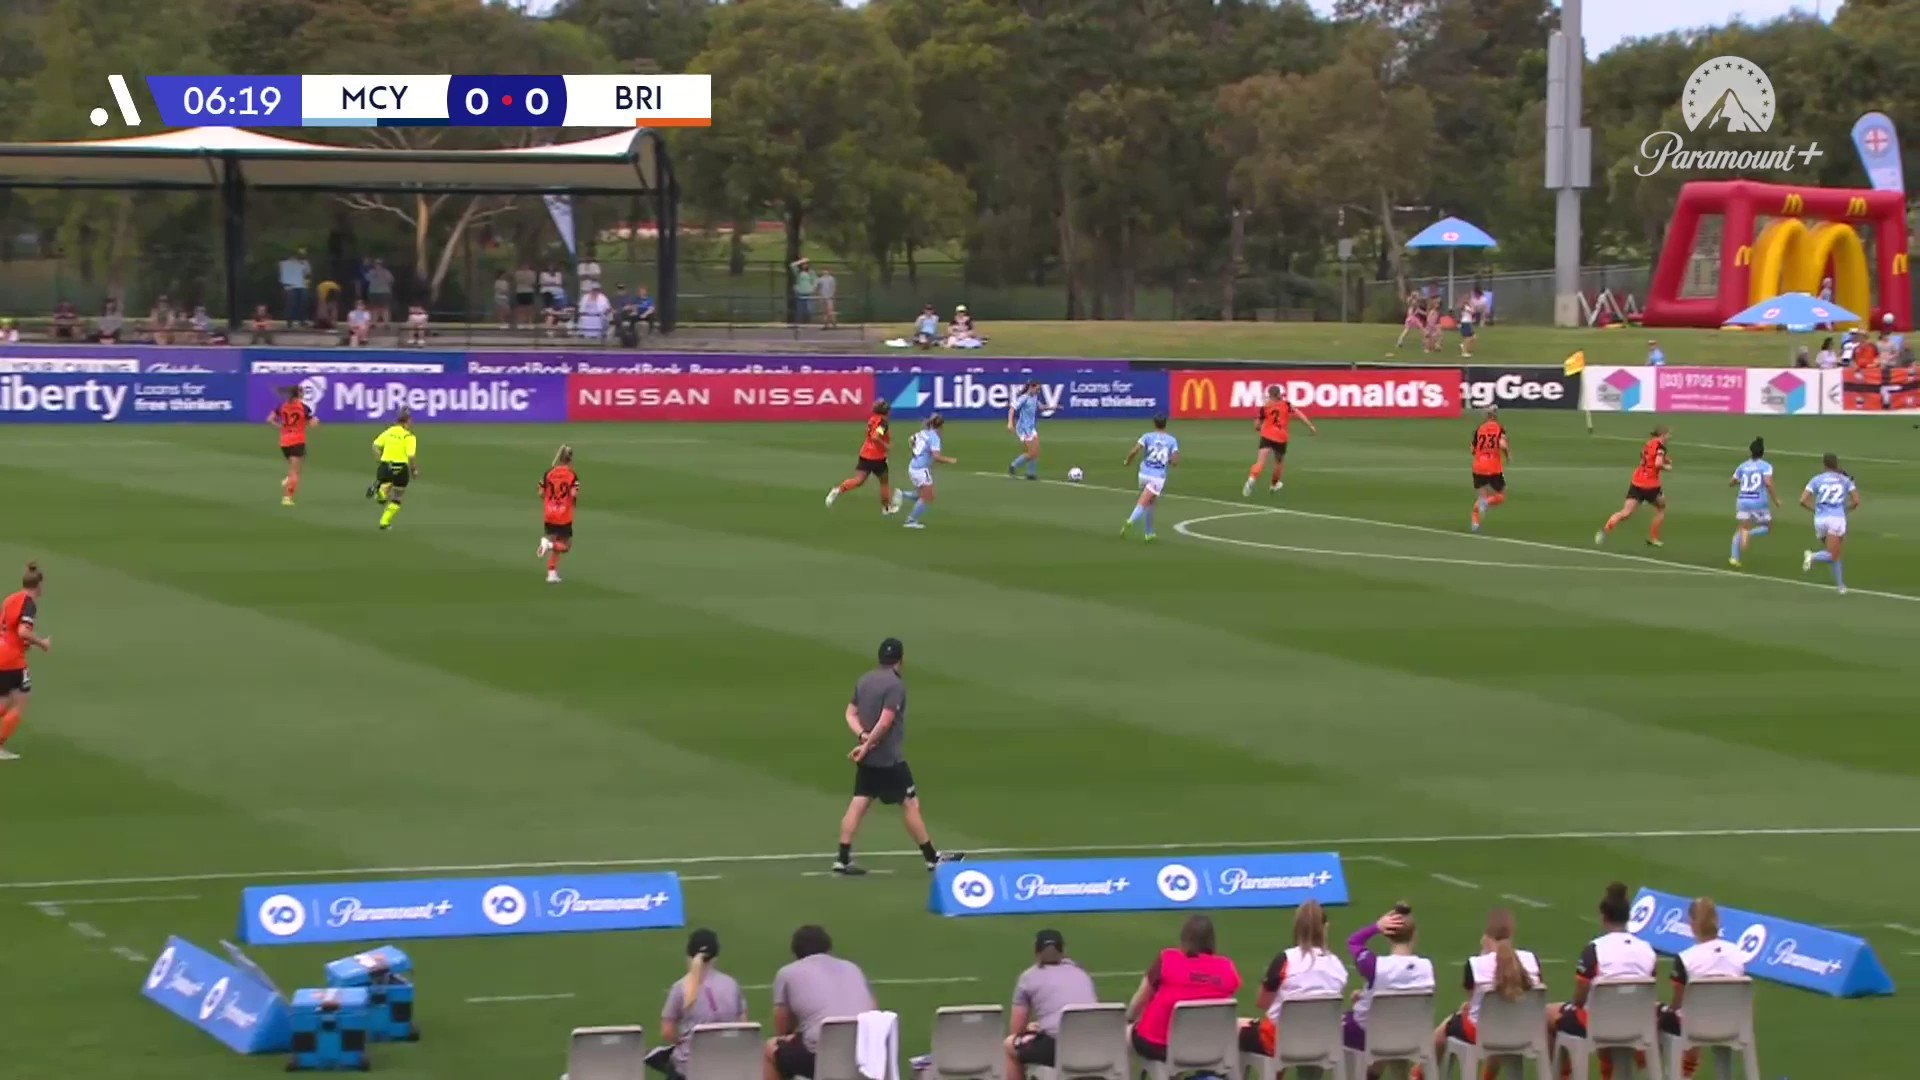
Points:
(1811, 236)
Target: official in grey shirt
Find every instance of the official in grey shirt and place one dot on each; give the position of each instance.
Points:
(815, 988)
(706, 995)
(877, 716)
(1042, 994)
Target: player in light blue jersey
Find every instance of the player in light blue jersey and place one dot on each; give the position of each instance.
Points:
(1830, 496)
(1754, 500)
(1023, 419)
(1158, 452)
(926, 451)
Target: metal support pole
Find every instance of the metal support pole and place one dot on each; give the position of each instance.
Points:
(1569, 159)
(233, 201)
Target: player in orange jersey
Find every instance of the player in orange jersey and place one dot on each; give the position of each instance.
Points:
(293, 418)
(1645, 488)
(872, 462)
(17, 613)
(1275, 415)
(559, 491)
(1490, 457)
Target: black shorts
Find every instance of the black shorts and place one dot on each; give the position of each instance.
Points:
(524, 299)
(660, 1060)
(18, 680)
(298, 449)
(891, 784)
(1150, 1051)
(1645, 494)
(1496, 481)
(1573, 1021)
(876, 469)
(559, 532)
(394, 472)
(1279, 447)
(791, 1058)
(1034, 1048)
(1669, 1020)
(1457, 1028)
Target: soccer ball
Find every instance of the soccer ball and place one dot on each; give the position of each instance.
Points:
(1074, 475)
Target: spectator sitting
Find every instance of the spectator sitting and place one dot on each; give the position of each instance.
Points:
(1801, 358)
(9, 333)
(111, 324)
(704, 995)
(1306, 969)
(1615, 954)
(1826, 359)
(643, 306)
(66, 324)
(815, 987)
(359, 323)
(1192, 972)
(1656, 356)
(926, 328)
(326, 310)
(1709, 957)
(960, 333)
(417, 325)
(587, 274)
(1400, 971)
(1498, 969)
(201, 324)
(1042, 994)
(261, 325)
(160, 321)
(1892, 342)
(553, 287)
(595, 312)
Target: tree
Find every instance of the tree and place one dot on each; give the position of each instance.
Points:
(813, 112)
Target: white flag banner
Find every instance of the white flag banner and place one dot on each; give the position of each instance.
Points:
(561, 207)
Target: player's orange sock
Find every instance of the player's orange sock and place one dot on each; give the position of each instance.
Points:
(1276, 474)
(1476, 511)
(848, 485)
(1254, 473)
(553, 560)
(9, 723)
(1496, 498)
(1653, 533)
(1612, 521)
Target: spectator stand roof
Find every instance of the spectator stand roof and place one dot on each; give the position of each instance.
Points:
(233, 161)
(191, 159)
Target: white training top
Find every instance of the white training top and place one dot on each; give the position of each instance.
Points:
(1314, 973)
(1394, 975)
(1480, 970)
(1714, 959)
(1616, 955)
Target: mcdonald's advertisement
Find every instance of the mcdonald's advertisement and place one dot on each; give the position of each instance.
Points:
(1375, 394)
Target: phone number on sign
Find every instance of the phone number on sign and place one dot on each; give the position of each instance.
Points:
(1728, 379)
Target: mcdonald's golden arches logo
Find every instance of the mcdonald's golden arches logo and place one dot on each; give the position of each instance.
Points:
(1900, 264)
(1744, 256)
(1857, 206)
(1794, 204)
(1199, 394)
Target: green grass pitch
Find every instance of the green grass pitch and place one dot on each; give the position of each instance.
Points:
(243, 692)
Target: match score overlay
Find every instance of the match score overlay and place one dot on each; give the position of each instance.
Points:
(597, 101)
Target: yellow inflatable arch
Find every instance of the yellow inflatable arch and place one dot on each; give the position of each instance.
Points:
(1789, 257)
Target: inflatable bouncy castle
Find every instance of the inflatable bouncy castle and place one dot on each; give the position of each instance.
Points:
(1810, 234)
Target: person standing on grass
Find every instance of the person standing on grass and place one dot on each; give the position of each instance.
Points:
(704, 995)
(293, 418)
(1043, 993)
(828, 289)
(816, 987)
(1831, 496)
(1646, 486)
(17, 638)
(1469, 313)
(397, 450)
(877, 716)
(803, 286)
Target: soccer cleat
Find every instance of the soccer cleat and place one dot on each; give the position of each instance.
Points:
(1150, 537)
(1012, 472)
(286, 500)
(1033, 476)
(1277, 485)
(1806, 561)
(847, 869)
(1474, 525)
(1841, 589)
(545, 548)
(1651, 542)
(1599, 537)
(914, 525)
(893, 505)
(386, 525)
(553, 577)
(1126, 530)
(369, 491)
(8, 755)
(1246, 489)
(833, 495)
(1735, 563)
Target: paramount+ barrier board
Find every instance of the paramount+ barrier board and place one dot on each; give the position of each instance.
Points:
(1170, 883)
(459, 907)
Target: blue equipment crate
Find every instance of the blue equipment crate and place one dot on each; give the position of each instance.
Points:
(383, 972)
(330, 1029)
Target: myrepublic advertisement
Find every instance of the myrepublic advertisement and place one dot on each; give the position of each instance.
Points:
(431, 398)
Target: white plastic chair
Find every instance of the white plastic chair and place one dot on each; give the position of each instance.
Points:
(1308, 1040)
(1399, 1034)
(1204, 1036)
(1092, 1045)
(1621, 1023)
(968, 1042)
(607, 1053)
(724, 1052)
(1511, 1033)
(837, 1057)
(1717, 1016)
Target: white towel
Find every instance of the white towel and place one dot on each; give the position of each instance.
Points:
(877, 1045)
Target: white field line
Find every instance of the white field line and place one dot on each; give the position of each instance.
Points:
(1771, 451)
(1525, 901)
(1329, 843)
(1186, 528)
(76, 902)
(87, 930)
(924, 980)
(53, 911)
(130, 955)
(1903, 928)
(1381, 859)
(830, 873)
(505, 999)
(702, 877)
(1449, 879)
(1540, 545)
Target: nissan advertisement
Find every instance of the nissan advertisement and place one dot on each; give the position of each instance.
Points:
(719, 397)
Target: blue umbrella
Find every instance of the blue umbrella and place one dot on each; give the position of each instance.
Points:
(1452, 233)
(1794, 309)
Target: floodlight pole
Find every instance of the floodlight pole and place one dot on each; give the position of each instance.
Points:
(1569, 159)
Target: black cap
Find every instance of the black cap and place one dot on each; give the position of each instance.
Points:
(1049, 938)
(891, 651)
(703, 942)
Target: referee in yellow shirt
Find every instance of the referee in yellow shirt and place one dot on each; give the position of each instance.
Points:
(397, 450)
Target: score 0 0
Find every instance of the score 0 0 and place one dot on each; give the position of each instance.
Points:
(507, 101)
